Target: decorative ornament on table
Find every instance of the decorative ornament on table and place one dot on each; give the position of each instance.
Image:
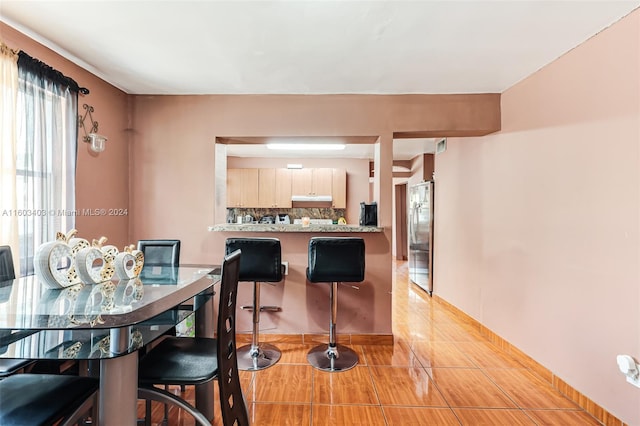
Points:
(93, 265)
(77, 244)
(129, 263)
(54, 262)
(110, 252)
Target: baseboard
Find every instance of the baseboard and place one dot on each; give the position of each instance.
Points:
(563, 387)
(310, 338)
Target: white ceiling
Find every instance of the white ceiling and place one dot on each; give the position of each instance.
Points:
(313, 47)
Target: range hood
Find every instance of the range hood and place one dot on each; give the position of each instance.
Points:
(312, 198)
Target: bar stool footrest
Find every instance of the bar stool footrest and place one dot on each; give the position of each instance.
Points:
(262, 308)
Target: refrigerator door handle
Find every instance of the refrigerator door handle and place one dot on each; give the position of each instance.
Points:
(415, 216)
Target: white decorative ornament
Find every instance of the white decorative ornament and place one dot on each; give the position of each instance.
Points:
(128, 263)
(77, 244)
(109, 253)
(110, 250)
(92, 265)
(89, 263)
(125, 265)
(54, 262)
(69, 260)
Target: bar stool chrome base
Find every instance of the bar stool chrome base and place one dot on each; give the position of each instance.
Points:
(250, 359)
(327, 358)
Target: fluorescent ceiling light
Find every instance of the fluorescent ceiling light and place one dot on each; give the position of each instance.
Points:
(306, 146)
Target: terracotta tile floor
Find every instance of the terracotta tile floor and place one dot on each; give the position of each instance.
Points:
(440, 371)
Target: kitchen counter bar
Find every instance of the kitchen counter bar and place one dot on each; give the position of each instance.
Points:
(365, 309)
(313, 228)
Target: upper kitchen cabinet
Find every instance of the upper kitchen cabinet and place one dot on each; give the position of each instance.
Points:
(274, 188)
(278, 188)
(242, 187)
(311, 182)
(339, 189)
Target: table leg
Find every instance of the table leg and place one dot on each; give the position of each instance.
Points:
(204, 313)
(118, 390)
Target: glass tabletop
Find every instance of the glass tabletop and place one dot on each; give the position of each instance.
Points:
(26, 304)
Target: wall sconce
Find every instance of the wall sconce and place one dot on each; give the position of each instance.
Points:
(97, 141)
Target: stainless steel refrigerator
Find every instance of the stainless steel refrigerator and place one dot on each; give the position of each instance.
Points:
(421, 235)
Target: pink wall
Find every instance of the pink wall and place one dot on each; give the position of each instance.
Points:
(173, 177)
(102, 180)
(357, 175)
(173, 151)
(421, 168)
(537, 225)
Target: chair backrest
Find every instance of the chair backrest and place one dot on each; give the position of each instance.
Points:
(262, 258)
(160, 252)
(337, 259)
(6, 264)
(232, 403)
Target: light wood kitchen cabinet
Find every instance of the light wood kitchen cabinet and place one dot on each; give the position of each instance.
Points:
(242, 187)
(301, 181)
(339, 189)
(274, 188)
(311, 181)
(283, 188)
(322, 181)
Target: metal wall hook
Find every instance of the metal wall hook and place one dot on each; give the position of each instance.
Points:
(88, 110)
(92, 137)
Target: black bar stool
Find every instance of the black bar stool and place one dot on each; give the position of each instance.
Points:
(261, 262)
(334, 260)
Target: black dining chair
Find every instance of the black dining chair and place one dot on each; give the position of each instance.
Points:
(47, 399)
(198, 360)
(161, 257)
(160, 252)
(6, 264)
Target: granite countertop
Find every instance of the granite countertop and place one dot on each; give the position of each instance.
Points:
(259, 227)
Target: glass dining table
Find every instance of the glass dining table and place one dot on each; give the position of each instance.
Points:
(106, 324)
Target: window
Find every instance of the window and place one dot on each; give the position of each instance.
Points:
(46, 158)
